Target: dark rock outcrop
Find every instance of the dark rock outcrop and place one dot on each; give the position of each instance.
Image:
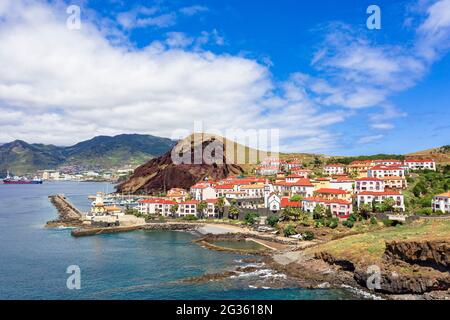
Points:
(163, 173)
(434, 254)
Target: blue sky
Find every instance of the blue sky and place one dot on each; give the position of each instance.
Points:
(311, 69)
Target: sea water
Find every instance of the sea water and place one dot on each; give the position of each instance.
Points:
(133, 265)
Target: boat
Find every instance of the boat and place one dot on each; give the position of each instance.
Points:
(20, 180)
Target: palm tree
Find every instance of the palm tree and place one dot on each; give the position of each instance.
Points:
(174, 209)
(234, 212)
(221, 206)
(201, 208)
(388, 204)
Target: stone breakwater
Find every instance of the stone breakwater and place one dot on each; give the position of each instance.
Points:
(69, 215)
(89, 231)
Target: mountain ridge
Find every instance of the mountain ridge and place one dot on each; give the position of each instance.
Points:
(21, 157)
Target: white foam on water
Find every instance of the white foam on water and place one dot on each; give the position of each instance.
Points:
(363, 293)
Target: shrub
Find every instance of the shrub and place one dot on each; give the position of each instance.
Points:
(319, 223)
(289, 230)
(272, 221)
(250, 217)
(348, 223)
(373, 220)
(352, 218)
(387, 222)
(190, 217)
(425, 211)
(308, 235)
(333, 223)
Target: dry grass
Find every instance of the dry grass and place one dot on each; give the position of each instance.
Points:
(369, 247)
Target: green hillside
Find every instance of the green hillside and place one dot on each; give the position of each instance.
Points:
(21, 158)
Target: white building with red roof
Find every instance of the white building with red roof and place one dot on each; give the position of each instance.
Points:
(387, 162)
(368, 197)
(158, 206)
(187, 208)
(336, 168)
(369, 184)
(342, 182)
(395, 182)
(292, 164)
(203, 191)
(420, 164)
(223, 189)
(299, 186)
(330, 193)
(441, 202)
(304, 173)
(339, 207)
(267, 170)
(380, 171)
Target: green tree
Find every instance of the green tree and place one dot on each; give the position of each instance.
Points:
(201, 208)
(388, 204)
(272, 221)
(174, 209)
(328, 213)
(319, 211)
(365, 210)
(296, 198)
(250, 217)
(234, 212)
(221, 206)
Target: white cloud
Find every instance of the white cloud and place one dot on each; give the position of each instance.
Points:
(142, 16)
(368, 139)
(383, 126)
(192, 10)
(76, 84)
(434, 32)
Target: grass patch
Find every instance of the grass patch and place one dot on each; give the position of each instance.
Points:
(369, 247)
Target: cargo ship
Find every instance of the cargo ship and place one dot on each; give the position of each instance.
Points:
(21, 180)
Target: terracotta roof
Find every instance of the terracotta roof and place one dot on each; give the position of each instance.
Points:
(286, 203)
(158, 200)
(386, 167)
(318, 199)
(445, 194)
(335, 165)
(225, 186)
(419, 160)
(387, 160)
(331, 191)
(190, 202)
(200, 186)
(392, 178)
(300, 182)
(323, 179)
(379, 193)
(368, 179)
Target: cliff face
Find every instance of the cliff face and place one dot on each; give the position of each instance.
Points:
(434, 254)
(162, 173)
